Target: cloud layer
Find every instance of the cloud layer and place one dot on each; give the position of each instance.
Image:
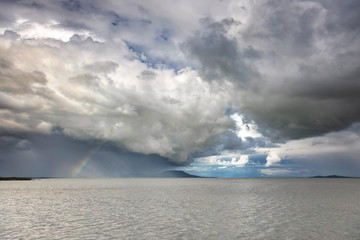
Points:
(181, 80)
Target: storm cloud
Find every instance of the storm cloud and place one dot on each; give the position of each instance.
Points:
(177, 81)
(295, 64)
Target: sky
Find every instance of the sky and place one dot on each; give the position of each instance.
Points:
(252, 88)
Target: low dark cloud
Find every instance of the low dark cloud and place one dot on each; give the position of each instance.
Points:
(58, 155)
(220, 55)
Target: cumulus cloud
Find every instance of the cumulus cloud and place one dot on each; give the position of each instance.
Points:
(92, 91)
(277, 171)
(272, 159)
(224, 160)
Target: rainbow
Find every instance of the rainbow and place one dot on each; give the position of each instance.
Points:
(85, 160)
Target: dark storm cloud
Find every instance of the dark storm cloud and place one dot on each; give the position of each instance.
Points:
(219, 54)
(343, 16)
(303, 57)
(345, 86)
(289, 24)
(71, 5)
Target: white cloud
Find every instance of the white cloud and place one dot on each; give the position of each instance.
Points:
(346, 141)
(338, 146)
(222, 162)
(245, 129)
(272, 159)
(28, 29)
(99, 90)
(277, 171)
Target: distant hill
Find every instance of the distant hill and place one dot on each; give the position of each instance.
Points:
(175, 174)
(14, 178)
(330, 176)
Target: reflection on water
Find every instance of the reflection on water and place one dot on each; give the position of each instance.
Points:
(180, 209)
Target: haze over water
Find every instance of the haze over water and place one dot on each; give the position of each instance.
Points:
(180, 209)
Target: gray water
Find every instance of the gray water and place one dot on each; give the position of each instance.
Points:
(180, 209)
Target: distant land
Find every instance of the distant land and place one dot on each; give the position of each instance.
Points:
(331, 176)
(15, 178)
(175, 174)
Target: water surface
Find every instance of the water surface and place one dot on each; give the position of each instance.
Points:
(180, 209)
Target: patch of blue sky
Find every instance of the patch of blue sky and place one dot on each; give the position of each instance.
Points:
(250, 169)
(255, 167)
(119, 20)
(224, 171)
(259, 159)
(165, 34)
(153, 62)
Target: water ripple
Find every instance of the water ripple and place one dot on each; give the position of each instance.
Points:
(180, 209)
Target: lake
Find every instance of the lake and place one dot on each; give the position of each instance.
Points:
(177, 208)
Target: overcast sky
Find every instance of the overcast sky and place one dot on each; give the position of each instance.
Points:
(257, 88)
